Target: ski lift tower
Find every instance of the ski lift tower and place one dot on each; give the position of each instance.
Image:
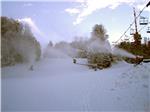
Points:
(136, 35)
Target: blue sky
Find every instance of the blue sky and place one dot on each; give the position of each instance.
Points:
(63, 20)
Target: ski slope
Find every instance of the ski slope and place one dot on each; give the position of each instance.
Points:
(60, 85)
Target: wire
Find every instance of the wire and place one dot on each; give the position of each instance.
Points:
(132, 22)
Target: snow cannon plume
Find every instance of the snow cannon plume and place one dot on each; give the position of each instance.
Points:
(120, 52)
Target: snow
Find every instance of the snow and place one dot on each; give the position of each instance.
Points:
(60, 85)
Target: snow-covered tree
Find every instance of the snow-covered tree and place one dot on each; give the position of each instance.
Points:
(99, 49)
(99, 32)
(17, 43)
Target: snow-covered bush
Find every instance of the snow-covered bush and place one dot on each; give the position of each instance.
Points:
(18, 43)
(103, 60)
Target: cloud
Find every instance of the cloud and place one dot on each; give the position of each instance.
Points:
(87, 7)
(72, 11)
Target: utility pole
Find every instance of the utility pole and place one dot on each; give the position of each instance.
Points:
(137, 36)
(135, 22)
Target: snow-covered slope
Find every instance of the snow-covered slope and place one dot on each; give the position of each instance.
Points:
(60, 85)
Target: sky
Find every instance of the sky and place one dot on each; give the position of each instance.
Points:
(64, 20)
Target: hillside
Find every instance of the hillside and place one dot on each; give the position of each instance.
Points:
(60, 85)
